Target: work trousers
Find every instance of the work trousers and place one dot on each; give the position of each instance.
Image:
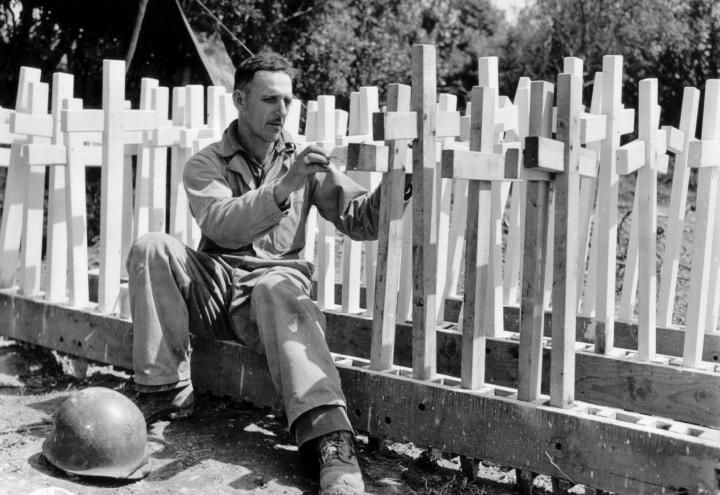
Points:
(175, 291)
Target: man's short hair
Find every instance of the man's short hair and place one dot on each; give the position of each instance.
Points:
(265, 60)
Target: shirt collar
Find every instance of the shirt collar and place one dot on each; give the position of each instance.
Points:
(230, 144)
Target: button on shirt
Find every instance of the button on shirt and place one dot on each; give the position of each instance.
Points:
(231, 197)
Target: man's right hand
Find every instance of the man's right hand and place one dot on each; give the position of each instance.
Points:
(311, 161)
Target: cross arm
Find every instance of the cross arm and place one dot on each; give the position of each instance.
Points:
(592, 127)
(704, 153)
(543, 154)
(31, 124)
(389, 126)
(675, 139)
(473, 165)
(56, 154)
(93, 120)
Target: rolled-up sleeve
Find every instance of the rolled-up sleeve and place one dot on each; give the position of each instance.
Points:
(351, 208)
(230, 222)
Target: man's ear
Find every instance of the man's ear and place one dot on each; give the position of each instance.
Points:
(239, 98)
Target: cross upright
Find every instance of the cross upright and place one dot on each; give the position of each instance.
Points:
(704, 154)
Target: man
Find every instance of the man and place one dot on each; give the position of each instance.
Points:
(250, 194)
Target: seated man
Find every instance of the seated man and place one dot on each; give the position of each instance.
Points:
(250, 194)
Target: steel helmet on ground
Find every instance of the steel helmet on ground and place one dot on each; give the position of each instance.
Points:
(98, 432)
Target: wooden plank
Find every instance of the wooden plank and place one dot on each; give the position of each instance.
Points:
(534, 255)
(32, 223)
(389, 126)
(567, 200)
(649, 388)
(367, 157)
(41, 125)
(389, 243)
(55, 287)
(592, 128)
(13, 202)
(607, 203)
(426, 181)
(705, 211)
(633, 459)
(111, 177)
(649, 118)
(676, 211)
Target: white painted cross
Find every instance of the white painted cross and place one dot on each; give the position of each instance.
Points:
(704, 155)
(14, 201)
(678, 142)
(118, 127)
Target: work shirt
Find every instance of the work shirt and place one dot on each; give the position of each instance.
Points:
(231, 197)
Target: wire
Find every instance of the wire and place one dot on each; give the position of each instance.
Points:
(230, 33)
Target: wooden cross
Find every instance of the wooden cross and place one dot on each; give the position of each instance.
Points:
(14, 201)
(37, 155)
(538, 147)
(119, 127)
(678, 142)
(704, 155)
(37, 124)
(647, 155)
(425, 125)
(480, 167)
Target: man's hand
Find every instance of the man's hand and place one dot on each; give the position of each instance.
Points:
(311, 161)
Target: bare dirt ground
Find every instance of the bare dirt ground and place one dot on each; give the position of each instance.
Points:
(225, 447)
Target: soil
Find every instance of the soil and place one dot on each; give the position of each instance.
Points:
(225, 447)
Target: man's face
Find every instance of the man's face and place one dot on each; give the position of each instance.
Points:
(263, 104)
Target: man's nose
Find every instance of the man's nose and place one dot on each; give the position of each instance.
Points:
(282, 108)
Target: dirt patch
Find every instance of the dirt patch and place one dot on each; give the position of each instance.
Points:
(225, 447)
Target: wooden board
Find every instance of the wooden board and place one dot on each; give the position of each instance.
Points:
(629, 459)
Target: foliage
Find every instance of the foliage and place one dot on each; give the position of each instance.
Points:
(677, 42)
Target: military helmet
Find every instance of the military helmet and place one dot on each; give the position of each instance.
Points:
(98, 432)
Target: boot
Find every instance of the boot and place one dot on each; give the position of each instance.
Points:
(164, 403)
(339, 470)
